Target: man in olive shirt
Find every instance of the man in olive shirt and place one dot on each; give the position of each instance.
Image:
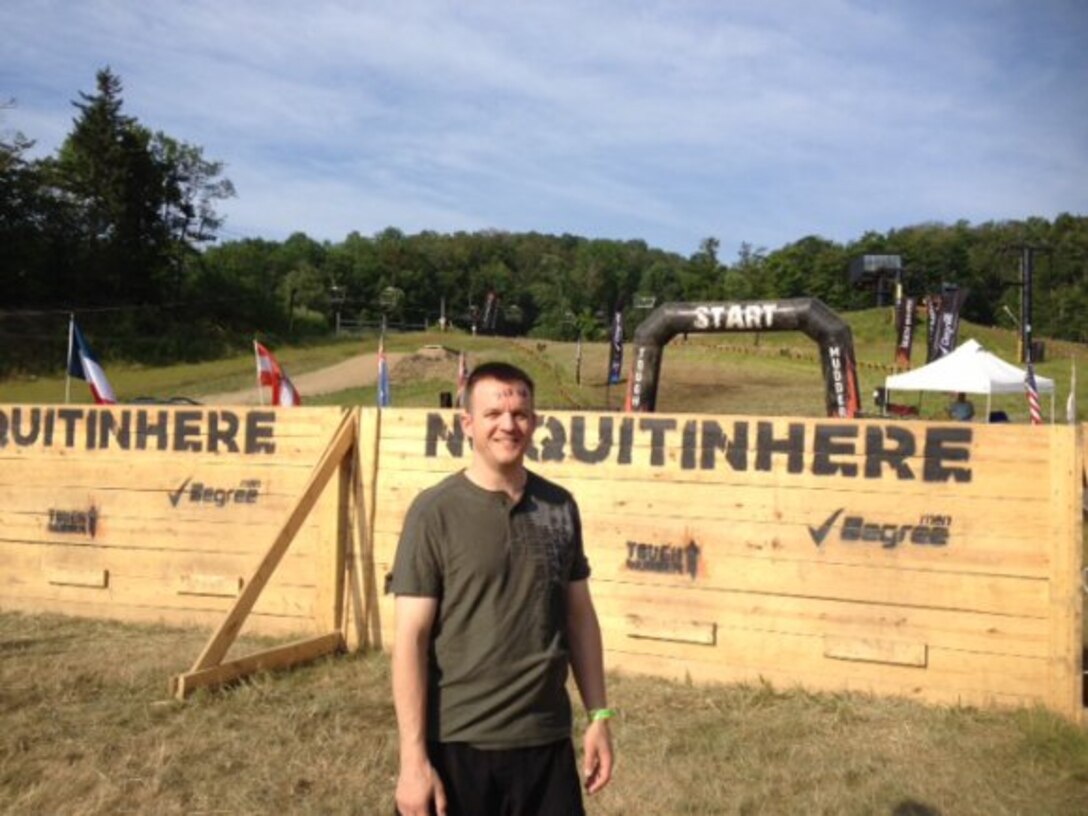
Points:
(492, 607)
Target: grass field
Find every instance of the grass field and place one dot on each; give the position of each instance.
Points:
(87, 727)
(774, 373)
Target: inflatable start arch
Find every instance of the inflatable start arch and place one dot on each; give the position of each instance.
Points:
(808, 315)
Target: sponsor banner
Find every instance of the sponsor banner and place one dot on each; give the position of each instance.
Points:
(615, 356)
(904, 329)
(944, 323)
(843, 385)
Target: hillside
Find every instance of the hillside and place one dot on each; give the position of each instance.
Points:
(774, 373)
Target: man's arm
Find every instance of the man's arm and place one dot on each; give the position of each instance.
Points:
(418, 784)
(587, 662)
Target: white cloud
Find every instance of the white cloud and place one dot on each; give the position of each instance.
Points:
(671, 121)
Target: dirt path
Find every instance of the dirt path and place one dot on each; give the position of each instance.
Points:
(354, 372)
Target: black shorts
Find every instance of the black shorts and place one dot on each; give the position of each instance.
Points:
(538, 781)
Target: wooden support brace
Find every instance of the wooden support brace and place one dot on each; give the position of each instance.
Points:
(221, 641)
(703, 633)
(279, 657)
(93, 578)
(875, 650)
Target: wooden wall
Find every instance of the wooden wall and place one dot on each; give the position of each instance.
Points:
(936, 561)
(928, 560)
(150, 513)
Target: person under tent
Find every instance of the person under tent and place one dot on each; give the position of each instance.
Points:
(961, 408)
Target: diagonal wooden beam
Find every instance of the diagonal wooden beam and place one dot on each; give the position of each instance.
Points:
(221, 641)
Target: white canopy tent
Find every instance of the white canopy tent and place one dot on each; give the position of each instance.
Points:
(969, 369)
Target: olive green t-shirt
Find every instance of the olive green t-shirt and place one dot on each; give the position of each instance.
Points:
(499, 657)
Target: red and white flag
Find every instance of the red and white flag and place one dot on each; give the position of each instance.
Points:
(83, 364)
(1032, 393)
(271, 374)
(462, 377)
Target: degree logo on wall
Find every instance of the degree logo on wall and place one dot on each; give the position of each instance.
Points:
(931, 530)
(247, 492)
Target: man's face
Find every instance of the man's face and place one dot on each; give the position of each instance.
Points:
(500, 422)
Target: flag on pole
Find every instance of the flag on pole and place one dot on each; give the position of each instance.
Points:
(1033, 396)
(615, 352)
(1071, 402)
(271, 374)
(383, 375)
(462, 378)
(84, 365)
(904, 326)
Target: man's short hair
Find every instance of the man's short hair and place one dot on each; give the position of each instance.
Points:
(503, 372)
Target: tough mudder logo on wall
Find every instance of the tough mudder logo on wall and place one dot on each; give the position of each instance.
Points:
(200, 493)
(78, 522)
(932, 531)
(663, 558)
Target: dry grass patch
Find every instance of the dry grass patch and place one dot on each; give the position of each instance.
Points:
(86, 727)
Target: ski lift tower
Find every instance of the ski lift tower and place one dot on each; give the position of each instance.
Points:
(337, 296)
(875, 272)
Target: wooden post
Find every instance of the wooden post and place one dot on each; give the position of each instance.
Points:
(1066, 565)
(362, 622)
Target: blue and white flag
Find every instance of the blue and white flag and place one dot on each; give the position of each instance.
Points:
(383, 375)
(83, 365)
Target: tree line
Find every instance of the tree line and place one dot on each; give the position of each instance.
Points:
(120, 226)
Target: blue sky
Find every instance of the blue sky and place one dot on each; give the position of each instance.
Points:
(743, 120)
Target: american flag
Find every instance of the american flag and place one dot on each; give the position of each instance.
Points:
(1033, 396)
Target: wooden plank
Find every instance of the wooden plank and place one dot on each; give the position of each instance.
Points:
(873, 650)
(895, 583)
(965, 631)
(225, 586)
(633, 543)
(1066, 613)
(133, 473)
(783, 677)
(217, 534)
(362, 625)
(330, 461)
(680, 631)
(160, 595)
(330, 559)
(280, 657)
(994, 480)
(90, 578)
(756, 504)
(754, 653)
(92, 605)
(160, 565)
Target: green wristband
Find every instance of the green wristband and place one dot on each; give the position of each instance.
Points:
(596, 714)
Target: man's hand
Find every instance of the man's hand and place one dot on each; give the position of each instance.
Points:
(417, 787)
(597, 761)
